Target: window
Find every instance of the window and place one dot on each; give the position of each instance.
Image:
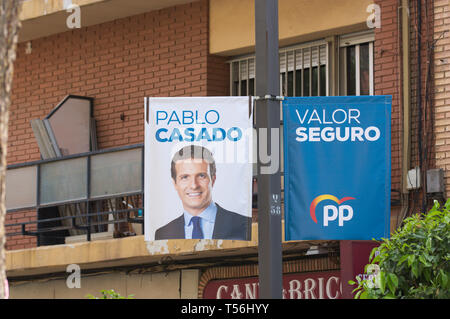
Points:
(309, 76)
(307, 71)
(70, 123)
(356, 64)
(243, 77)
(306, 66)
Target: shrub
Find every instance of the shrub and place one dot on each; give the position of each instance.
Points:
(414, 262)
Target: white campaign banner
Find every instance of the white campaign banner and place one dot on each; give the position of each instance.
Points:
(198, 168)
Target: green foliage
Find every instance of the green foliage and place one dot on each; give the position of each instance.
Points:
(109, 294)
(414, 262)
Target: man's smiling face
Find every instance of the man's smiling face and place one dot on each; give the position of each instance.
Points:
(193, 184)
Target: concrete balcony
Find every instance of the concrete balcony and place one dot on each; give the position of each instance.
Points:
(135, 250)
(42, 18)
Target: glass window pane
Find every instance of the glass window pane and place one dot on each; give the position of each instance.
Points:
(251, 87)
(283, 84)
(235, 78)
(298, 83)
(290, 73)
(364, 69)
(306, 82)
(63, 181)
(235, 71)
(243, 87)
(314, 83)
(342, 70)
(290, 90)
(71, 126)
(244, 75)
(323, 80)
(351, 71)
(235, 88)
(21, 187)
(116, 173)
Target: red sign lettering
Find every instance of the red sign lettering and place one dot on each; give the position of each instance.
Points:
(314, 285)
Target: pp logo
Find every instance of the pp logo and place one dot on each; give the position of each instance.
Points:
(330, 212)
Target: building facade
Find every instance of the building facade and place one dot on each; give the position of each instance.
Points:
(123, 53)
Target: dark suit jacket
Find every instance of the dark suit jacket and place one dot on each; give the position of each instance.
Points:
(228, 225)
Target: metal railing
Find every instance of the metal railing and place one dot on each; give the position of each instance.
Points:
(74, 225)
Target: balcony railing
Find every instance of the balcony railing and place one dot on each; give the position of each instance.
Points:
(78, 194)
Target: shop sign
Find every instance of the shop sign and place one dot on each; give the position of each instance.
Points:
(311, 285)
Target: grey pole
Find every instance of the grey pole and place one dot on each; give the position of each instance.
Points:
(268, 116)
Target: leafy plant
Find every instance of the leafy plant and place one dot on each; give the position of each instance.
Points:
(109, 294)
(414, 262)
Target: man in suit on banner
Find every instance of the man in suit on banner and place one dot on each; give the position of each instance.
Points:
(193, 172)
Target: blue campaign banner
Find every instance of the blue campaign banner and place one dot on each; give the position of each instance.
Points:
(337, 167)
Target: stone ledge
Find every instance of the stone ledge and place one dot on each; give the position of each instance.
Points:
(129, 251)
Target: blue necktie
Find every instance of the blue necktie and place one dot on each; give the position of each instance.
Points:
(197, 230)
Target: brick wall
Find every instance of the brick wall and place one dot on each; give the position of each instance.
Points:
(442, 87)
(422, 102)
(118, 63)
(387, 58)
(388, 80)
(19, 241)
